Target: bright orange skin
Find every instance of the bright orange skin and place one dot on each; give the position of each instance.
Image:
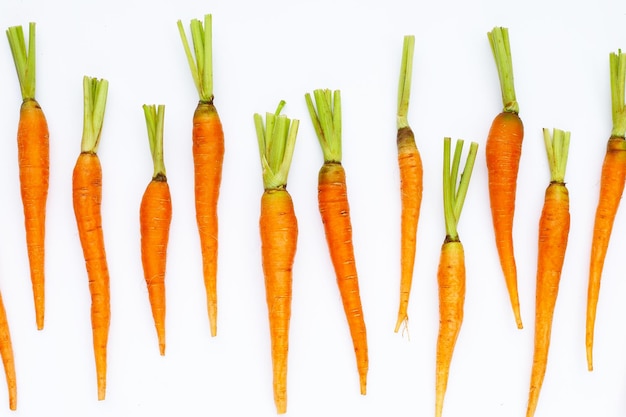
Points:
(208, 157)
(611, 190)
(451, 282)
(87, 198)
(503, 151)
(279, 235)
(34, 171)
(155, 217)
(411, 174)
(554, 226)
(335, 212)
(6, 351)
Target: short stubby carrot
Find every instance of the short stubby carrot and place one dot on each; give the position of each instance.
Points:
(8, 361)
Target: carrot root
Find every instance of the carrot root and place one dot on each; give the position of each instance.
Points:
(6, 351)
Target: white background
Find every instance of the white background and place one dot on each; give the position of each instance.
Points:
(271, 50)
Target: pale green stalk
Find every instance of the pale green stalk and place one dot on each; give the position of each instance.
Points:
(155, 117)
(326, 118)
(499, 41)
(201, 59)
(404, 86)
(23, 58)
(618, 79)
(95, 98)
(557, 148)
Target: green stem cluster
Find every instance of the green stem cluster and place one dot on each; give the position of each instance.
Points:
(326, 118)
(201, 59)
(618, 79)
(499, 41)
(557, 147)
(95, 99)
(24, 58)
(453, 193)
(404, 86)
(155, 117)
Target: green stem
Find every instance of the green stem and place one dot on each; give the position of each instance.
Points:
(618, 77)
(557, 148)
(201, 59)
(404, 86)
(326, 118)
(155, 117)
(95, 98)
(499, 41)
(24, 59)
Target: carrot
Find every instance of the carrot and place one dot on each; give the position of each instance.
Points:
(411, 174)
(503, 150)
(553, 233)
(208, 155)
(335, 213)
(279, 234)
(8, 362)
(155, 216)
(87, 198)
(451, 269)
(611, 190)
(33, 161)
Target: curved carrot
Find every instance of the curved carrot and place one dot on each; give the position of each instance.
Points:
(279, 234)
(87, 198)
(33, 161)
(611, 189)
(554, 227)
(8, 361)
(155, 216)
(335, 213)
(503, 150)
(411, 174)
(208, 155)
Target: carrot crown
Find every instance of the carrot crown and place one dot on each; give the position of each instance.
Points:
(404, 86)
(276, 143)
(155, 117)
(201, 64)
(23, 58)
(499, 41)
(453, 194)
(95, 99)
(557, 147)
(326, 118)
(618, 76)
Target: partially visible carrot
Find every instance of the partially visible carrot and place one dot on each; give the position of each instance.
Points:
(611, 189)
(411, 174)
(553, 233)
(335, 211)
(33, 161)
(155, 216)
(87, 199)
(8, 362)
(208, 155)
(503, 150)
(451, 270)
(279, 234)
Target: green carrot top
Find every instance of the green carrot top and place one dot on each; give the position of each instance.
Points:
(557, 147)
(499, 41)
(326, 118)
(202, 64)
(618, 77)
(155, 117)
(24, 58)
(404, 86)
(276, 144)
(453, 194)
(95, 98)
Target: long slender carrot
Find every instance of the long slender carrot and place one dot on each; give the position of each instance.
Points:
(87, 198)
(451, 270)
(33, 161)
(155, 216)
(8, 361)
(553, 233)
(335, 213)
(611, 190)
(279, 234)
(208, 155)
(503, 150)
(411, 174)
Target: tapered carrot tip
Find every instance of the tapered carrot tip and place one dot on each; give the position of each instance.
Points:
(162, 348)
(101, 390)
(363, 381)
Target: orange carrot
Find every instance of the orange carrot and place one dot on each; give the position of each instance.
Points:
(503, 150)
(208, 155)
(279, 234)
(6, 351)
(33, 161)
(451, 270)
(611, 190)
(87, 198)
(411, 174)
(553, 233)
(335, 213)
(155, 216)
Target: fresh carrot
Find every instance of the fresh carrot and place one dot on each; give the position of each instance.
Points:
(411, 174)
(279, 234)
(155, 216)
(611, 190)
(503, 150)
(87, 198)
(33, 161)
(451, 270)
(335, 211)
(553, 233)
(208, 154)
(6, 351)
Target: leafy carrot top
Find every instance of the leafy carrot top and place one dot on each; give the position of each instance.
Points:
(499, 41)
(202, 65)
(557, 148)
(154, 122)
(327, 122)
(95, 93)
(404, 87)
(23, 58)
(618, 78)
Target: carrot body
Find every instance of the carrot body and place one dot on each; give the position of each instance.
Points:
(503, 151)
(87, 197)
(208, 157)
(6, 351)
(335, 212)
(279, 234)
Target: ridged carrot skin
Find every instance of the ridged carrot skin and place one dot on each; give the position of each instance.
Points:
(8, 361)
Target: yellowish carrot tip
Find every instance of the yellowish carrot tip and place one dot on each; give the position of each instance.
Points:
(162, 349)
(363, 381)
(101, 393)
